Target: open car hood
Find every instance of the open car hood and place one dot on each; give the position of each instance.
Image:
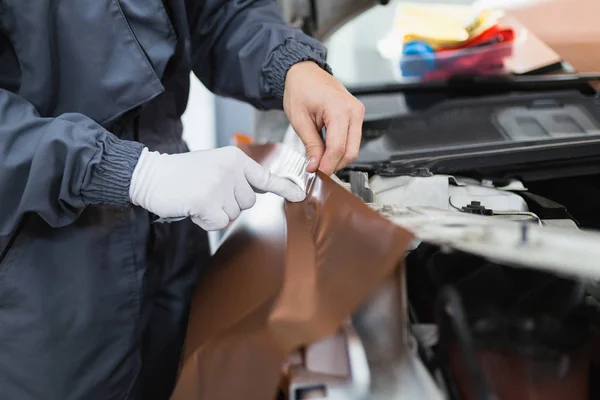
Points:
(320, 18)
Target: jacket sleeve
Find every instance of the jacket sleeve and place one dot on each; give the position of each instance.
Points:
(244, 48)
(57, 166)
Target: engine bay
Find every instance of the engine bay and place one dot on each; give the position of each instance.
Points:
(498, 298)
(453, 324)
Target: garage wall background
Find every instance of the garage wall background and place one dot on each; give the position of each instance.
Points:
(570, 27)
(199, 119)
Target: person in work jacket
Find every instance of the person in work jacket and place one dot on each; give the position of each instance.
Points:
(94, 296)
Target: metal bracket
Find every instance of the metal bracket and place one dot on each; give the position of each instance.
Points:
(359, 185)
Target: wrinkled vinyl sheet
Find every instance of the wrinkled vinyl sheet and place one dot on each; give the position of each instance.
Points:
(287, 275)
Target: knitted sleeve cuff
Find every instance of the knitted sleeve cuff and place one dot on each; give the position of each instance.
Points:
(110, 178)
(290, 52)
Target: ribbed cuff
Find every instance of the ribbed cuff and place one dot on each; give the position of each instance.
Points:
(111, 177)
(290, 52)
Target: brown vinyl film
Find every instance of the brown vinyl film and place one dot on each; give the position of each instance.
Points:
(288, 274)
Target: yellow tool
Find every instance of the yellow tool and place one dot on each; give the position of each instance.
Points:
(443, 25)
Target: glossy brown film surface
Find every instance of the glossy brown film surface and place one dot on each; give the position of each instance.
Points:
(287, 275)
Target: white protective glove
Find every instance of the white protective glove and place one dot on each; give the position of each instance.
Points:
(210, 186)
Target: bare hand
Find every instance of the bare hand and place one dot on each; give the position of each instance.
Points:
(313, 99)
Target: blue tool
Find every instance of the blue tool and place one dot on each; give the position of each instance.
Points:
(417, 59)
